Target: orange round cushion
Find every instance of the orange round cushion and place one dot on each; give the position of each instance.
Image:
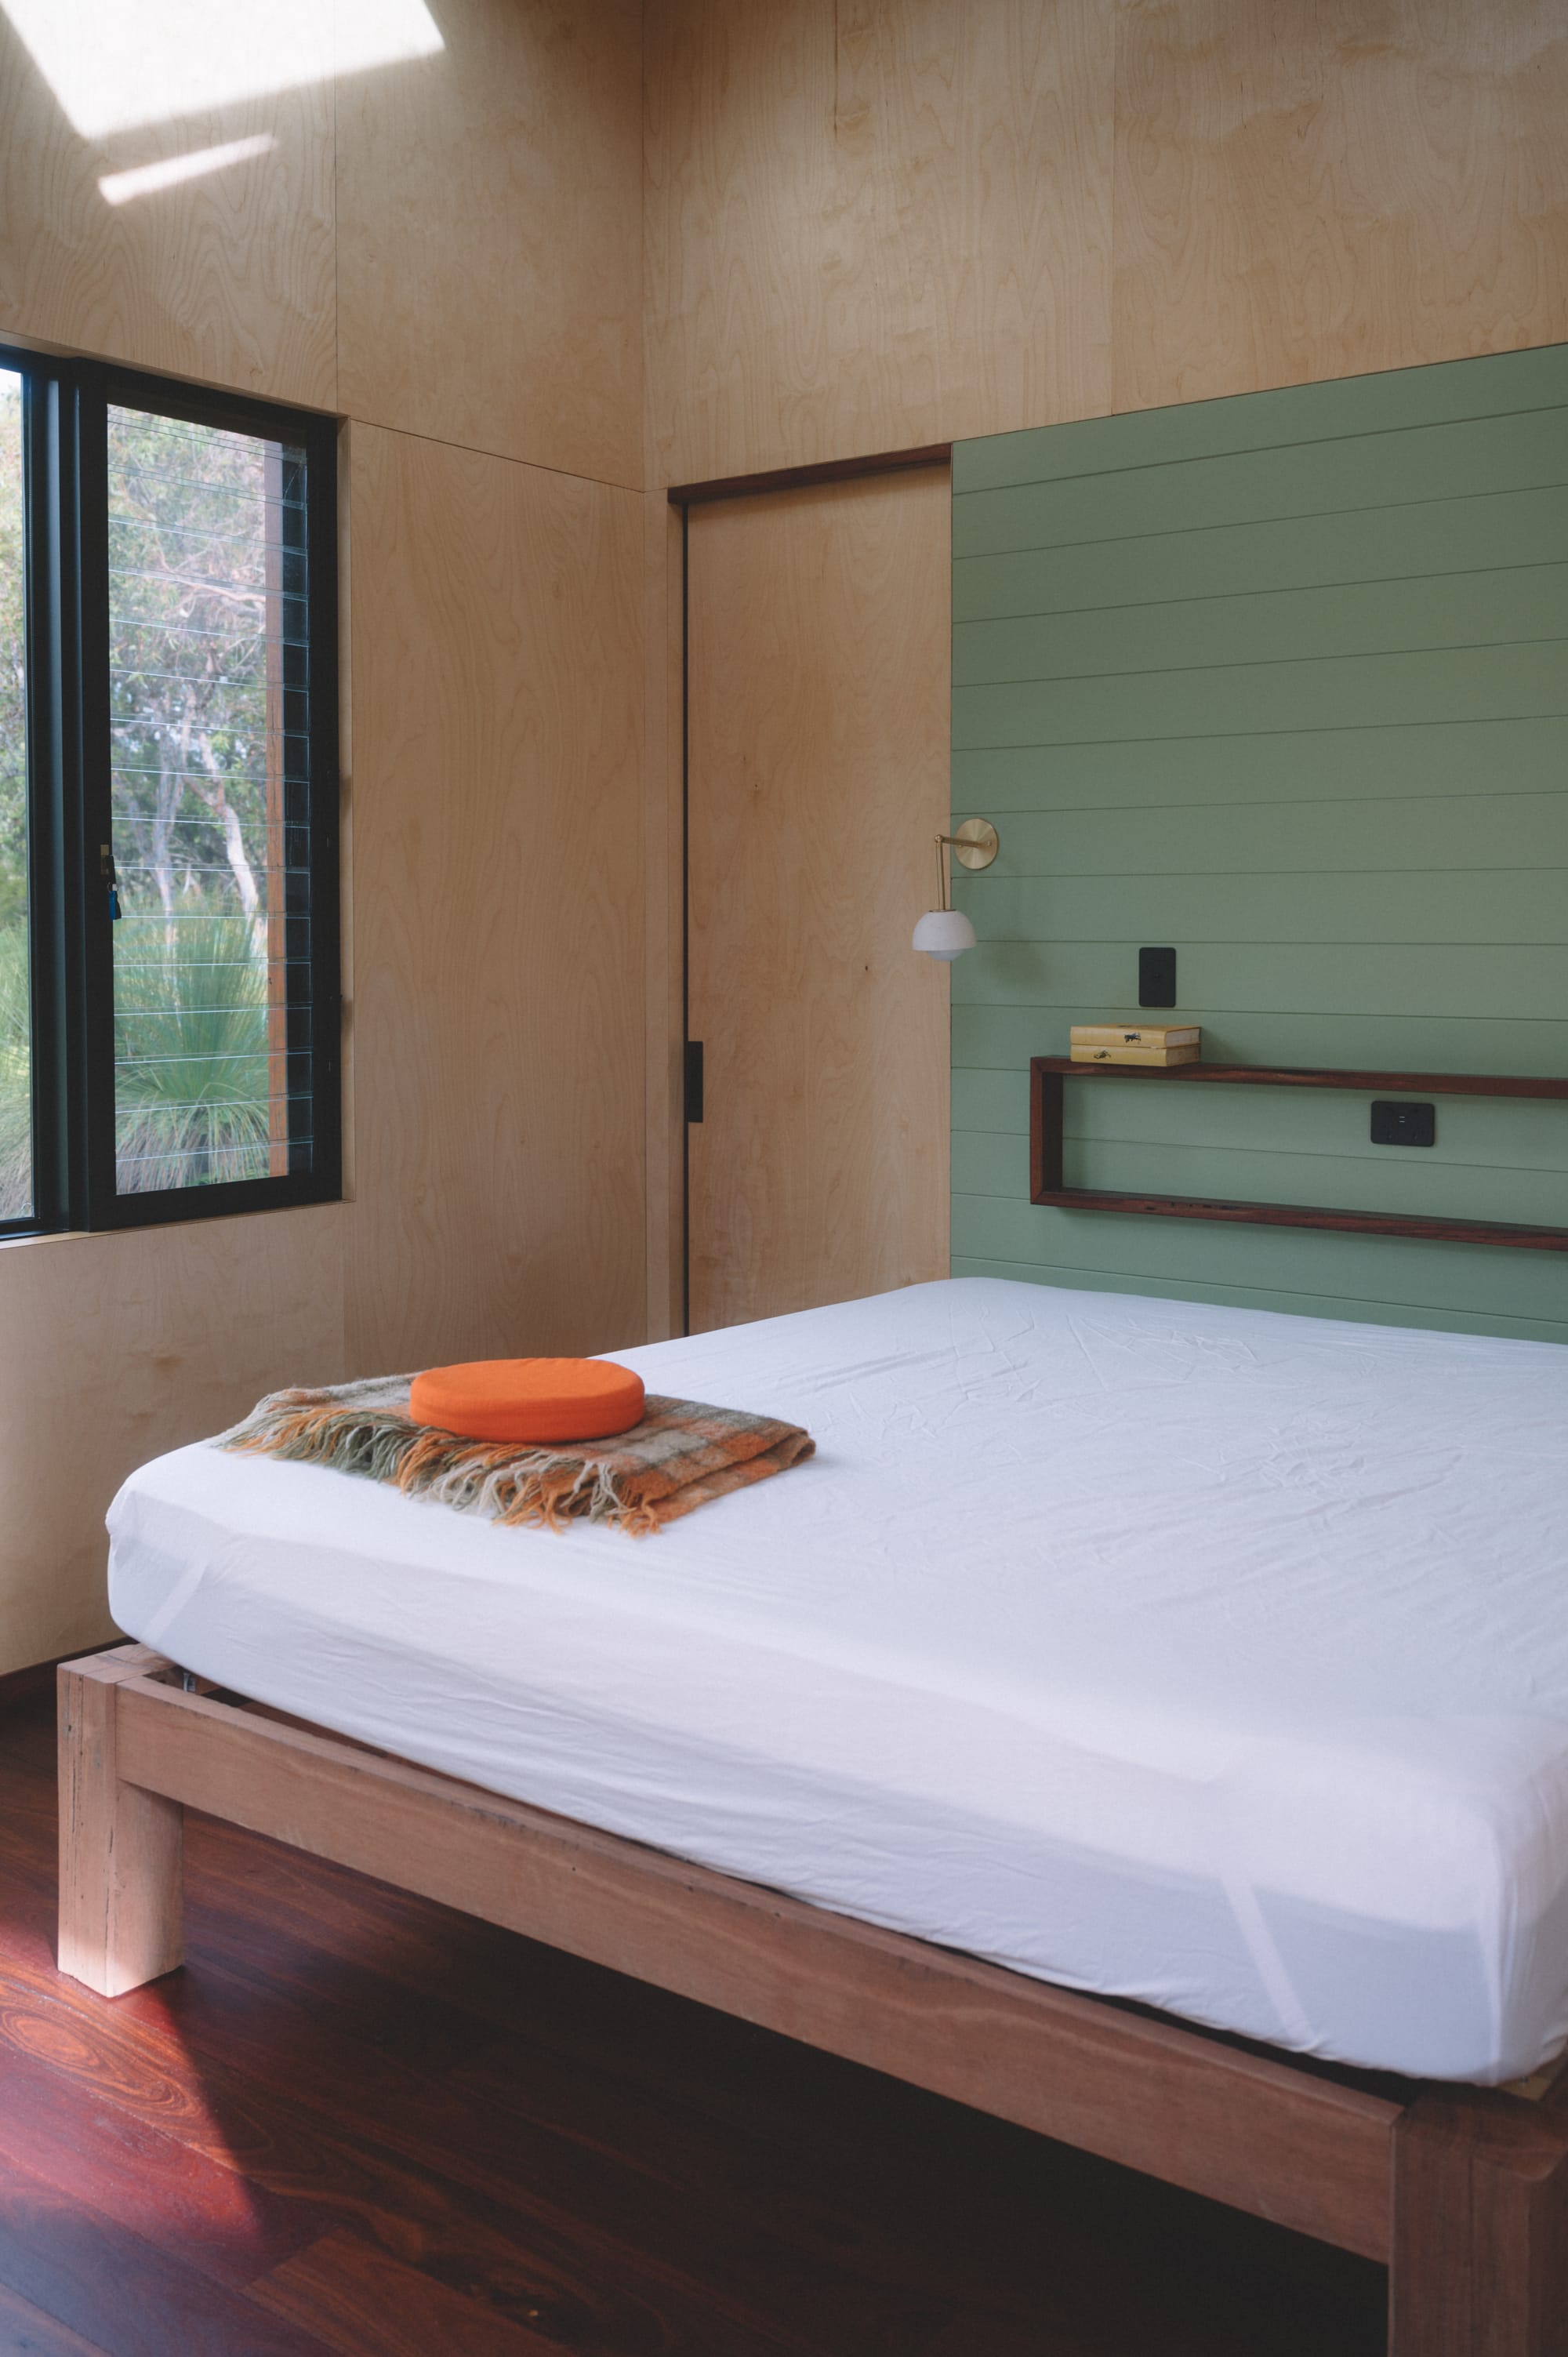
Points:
(529, 1399)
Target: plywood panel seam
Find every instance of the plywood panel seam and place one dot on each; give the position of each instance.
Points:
(489, 237)
(478, 450)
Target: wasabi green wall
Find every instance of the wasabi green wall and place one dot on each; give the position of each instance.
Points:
(1282, 679)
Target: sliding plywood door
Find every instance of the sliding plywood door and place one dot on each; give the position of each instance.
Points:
(818, 669)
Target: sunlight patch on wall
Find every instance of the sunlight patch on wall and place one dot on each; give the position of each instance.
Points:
(114, 66)
(118, 188)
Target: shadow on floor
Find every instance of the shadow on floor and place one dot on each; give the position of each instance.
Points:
(360, 2123)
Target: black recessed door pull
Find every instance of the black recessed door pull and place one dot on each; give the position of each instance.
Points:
(694, 1080)
(106, 869)
(1397, 1122)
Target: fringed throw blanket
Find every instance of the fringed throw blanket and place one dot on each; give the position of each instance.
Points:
(679, 1456)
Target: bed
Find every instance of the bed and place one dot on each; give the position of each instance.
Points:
(1130, 1696)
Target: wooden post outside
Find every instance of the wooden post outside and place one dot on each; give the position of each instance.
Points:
(1480, 2232)
(121, 1883)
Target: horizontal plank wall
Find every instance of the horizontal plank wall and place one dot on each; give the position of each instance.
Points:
(1281, 681)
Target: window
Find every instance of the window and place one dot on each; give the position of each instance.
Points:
(16, 982)
(168, 891)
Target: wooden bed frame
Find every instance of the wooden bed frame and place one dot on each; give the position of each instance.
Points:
(1463, 2191)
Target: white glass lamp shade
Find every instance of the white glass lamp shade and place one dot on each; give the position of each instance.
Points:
(944, 933)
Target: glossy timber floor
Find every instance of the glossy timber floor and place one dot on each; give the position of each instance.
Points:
(357, 2123)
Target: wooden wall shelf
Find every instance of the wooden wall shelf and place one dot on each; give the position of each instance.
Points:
(1048, 1075)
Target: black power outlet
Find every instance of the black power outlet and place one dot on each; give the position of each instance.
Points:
(1157, 978)
(1399, 1123)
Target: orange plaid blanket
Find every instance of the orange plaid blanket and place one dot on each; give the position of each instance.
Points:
(680, 1454)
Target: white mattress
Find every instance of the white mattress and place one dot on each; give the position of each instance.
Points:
(1197, 1655)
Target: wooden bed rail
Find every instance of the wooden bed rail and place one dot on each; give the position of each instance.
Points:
(1465, 2191)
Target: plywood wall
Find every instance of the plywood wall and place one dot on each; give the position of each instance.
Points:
(115, 1348)
(1279, 681)
(1315, 188)
(448, 251)
(229, 278)
(489, 247)
(873, 225)
(497, 795)
(876, 222)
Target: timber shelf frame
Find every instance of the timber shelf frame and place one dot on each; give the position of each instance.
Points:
(1462, 2191)
(1049, 1075)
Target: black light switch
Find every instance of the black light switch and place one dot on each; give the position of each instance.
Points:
(1399, 1123)
(1157, 978)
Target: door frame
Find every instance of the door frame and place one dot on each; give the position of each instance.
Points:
(668, 1157)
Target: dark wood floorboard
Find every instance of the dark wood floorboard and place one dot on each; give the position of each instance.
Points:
(357, 2123)
(26, 2332)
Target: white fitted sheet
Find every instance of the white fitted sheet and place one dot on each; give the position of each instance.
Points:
(1200, 1655)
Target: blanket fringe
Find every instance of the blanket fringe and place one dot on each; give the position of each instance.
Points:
(539, 1489)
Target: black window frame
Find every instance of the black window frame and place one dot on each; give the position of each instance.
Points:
(65, 405)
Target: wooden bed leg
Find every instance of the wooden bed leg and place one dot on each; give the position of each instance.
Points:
(122, 1914)
(1480, 2228)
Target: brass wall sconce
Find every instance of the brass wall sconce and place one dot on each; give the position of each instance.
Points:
(944, 932)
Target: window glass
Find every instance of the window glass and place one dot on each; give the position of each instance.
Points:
(16, 1008)
(208, 697)
(169, 1004)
